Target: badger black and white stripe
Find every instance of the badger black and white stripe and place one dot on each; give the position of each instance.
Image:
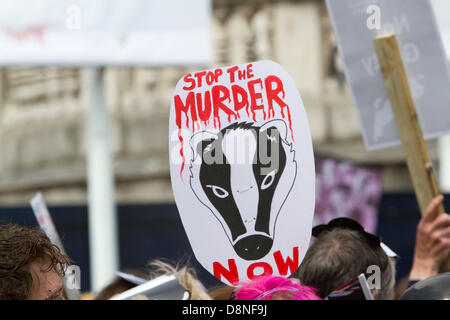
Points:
(244, 174)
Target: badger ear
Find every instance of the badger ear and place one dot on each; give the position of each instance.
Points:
(278, 124)
(199, 140)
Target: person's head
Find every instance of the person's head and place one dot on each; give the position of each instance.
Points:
(275, 288)
(339, 255)
(119, 285)
(222, 292)
(187, 277)
(31, 267)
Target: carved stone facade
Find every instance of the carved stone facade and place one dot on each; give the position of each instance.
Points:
(42, 117)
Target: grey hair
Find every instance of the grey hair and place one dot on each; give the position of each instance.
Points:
(339, 256)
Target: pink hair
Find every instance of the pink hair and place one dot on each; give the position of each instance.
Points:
(276, 287)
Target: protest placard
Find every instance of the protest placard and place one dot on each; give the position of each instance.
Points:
(410, 68)
(72, 273)
(356, 24)
(242, 169)
(166, 287)
(45, 220)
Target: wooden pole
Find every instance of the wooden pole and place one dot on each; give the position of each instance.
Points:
(417, 158)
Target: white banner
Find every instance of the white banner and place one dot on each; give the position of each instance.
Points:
(105, 32)
(356, 23)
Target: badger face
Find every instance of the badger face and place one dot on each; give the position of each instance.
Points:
(237, 179)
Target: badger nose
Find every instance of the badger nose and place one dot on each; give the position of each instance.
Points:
(253, 247)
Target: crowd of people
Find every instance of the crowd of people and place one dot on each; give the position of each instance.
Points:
(32, 268)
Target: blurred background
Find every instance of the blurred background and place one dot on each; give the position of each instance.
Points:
(43, 141)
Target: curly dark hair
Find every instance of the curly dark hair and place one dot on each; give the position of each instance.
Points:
(19, 247)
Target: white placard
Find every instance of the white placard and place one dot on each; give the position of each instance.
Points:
(45, 221)
(242, 169)
(356, 23)
(72, 277)
(166, 287)
(105, 32)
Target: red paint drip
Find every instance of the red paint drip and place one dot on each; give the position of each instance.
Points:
(271, 113)
(290, 123)
(289, 116)
(180, 137)
(218, 122)
(254, 116)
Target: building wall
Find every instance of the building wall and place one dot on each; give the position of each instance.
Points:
(42, 116)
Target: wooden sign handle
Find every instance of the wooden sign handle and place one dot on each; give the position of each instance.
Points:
(417, 158)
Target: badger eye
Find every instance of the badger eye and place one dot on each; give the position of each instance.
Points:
(218, 191)
(268, 180)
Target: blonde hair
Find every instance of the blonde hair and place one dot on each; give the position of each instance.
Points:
(186, 276)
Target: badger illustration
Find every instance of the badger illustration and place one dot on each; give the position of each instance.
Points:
(244, 174)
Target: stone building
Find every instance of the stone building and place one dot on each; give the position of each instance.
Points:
(42, 117)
